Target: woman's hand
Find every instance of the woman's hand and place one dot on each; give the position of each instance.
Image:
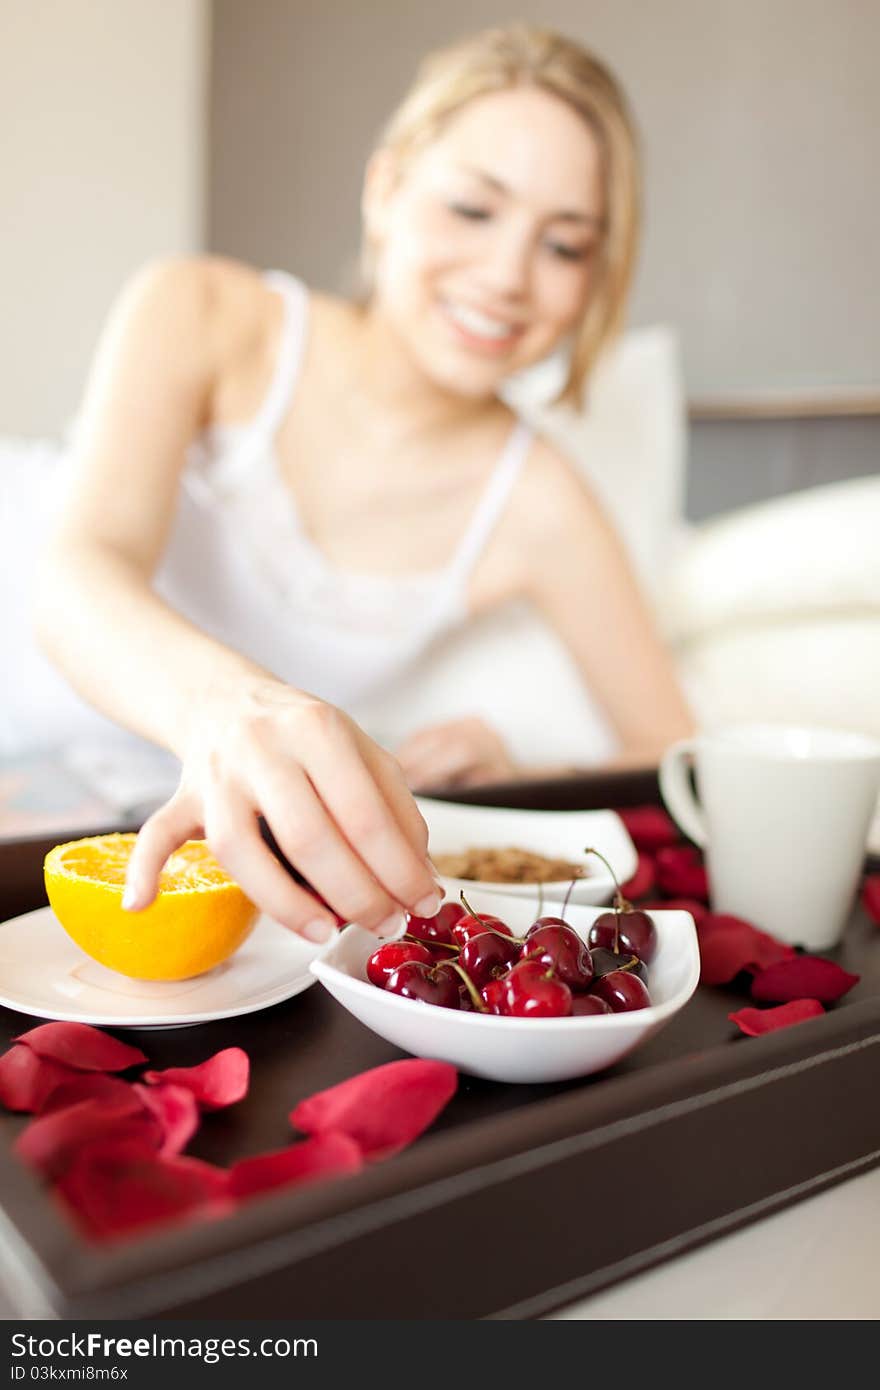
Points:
(336, 803)
(461, 753)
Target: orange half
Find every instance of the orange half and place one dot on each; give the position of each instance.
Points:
(199, 918)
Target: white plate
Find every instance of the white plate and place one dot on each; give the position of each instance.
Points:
(454, 828)
(42, 972)
(516, 1049)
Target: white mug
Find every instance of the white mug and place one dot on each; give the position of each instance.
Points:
(783, 814)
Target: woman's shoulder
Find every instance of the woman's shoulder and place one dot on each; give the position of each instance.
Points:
(225, 304)
(550, 507)
(553, 497)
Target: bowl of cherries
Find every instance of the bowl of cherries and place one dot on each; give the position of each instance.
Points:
(513, 994)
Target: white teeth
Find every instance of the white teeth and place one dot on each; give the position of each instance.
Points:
(475, 322)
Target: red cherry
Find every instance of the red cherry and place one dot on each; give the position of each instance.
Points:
(604, 961)
(394, 953)
(486, 956)
(589, 1004)
(429, 984)
(560, 948)
(630, 932)
(493, 996)
(431, 930)
(532, 991)
(440, 951)
(622, 991)
(449, 914)
(471, 925)
(545, 922)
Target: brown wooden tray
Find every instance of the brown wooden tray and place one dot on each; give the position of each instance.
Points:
(518, 1201)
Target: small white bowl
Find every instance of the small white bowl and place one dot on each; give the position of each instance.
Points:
(515, 1049)
(454, 828)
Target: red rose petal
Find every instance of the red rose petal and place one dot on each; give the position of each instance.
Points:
(642, 880)
(649, 827)
(723, 954)
(322, 1156)
(26, 1080)
(219, 1081)
(697, 910)
(871, 896)
(120, 1187)
(89, 1085)
(383, 1109)
(177, 1111)
(728, 945)
(680, 872)
(81, 1046)
(803, 977)
(754, 1022)
(52, 1142)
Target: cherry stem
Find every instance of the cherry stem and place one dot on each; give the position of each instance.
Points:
(620, 903)
(446, 945)
(568, 892)
(629, 964)
(481, 917)
(469, 984)
(540, 912)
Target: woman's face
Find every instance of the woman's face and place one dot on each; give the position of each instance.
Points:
(487, 241)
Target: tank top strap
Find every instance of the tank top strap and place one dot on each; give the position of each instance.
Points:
(492, 503)
(251, 457)
(290, 353)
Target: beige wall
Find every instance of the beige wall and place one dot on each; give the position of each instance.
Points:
(759, 120)
(101, 166)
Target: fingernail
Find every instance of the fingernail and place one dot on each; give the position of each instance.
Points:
(131, 898)
(320, 930)
(429, 906)
(392, 926)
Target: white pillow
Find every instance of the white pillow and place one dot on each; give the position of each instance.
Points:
(811, 670)
(774, 610)
(811, 552)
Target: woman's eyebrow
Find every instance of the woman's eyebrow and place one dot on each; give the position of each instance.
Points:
(586, 219)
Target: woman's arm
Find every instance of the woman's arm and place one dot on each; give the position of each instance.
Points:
(249, 744)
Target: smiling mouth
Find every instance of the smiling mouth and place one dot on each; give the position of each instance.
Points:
(479, 329)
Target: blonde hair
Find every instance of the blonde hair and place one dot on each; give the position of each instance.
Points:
(519, 55)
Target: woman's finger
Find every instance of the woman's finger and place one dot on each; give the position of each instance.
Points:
(233, 834)
(177, 821)
(348, 789)
(392, 783)
(315, 846)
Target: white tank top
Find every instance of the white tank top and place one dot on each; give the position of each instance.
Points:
(240, 565)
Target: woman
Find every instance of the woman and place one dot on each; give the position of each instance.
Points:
(279, 499)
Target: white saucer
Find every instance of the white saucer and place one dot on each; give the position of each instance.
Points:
(42, 972)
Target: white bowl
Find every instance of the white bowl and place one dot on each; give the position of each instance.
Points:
(454, 828)
(515, 1049)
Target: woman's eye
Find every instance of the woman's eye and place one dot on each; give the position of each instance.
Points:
(568, 253)
(469, 210)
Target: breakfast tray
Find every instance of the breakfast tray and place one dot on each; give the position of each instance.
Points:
(518, 1201)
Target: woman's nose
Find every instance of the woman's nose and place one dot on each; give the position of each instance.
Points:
(507, 264)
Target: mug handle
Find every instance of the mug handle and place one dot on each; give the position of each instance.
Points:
(675, 788)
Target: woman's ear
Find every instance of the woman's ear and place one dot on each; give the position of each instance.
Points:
(380, 181)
